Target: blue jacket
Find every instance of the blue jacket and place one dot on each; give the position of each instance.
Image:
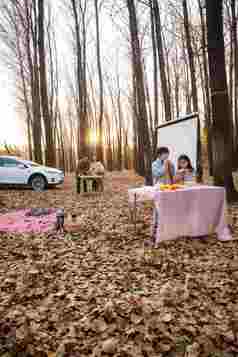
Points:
(158, 170)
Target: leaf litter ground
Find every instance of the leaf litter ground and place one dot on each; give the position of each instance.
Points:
(99, 292)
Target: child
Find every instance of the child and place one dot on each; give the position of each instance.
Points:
(162, 169)
(185, 171)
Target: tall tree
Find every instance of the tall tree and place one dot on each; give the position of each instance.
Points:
(79, 10)
(155, 78)
(48, 120)
(100, 77)
(144, 146)
(208, 116)
(190, 56)
(235, 52)
(33, 63)
(222, 121)
(160, 49)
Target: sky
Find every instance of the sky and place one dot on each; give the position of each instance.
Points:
(115, 58)
(11, 127)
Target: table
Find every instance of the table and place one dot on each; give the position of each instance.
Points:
(89, 183)
(191, 212)
(137, 196)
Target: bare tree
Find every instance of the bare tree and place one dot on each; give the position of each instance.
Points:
(50, 145)
(145, 152)
(100, 78)
(190, 56)
(155, 73)
(160, 49)
(79, 13)
(222, 123)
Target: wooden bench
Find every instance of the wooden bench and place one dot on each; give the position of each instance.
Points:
(86, 184)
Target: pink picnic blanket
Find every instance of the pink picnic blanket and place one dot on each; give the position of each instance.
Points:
(191, 212)
(20, 222)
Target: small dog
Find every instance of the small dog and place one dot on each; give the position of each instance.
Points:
(60, 220)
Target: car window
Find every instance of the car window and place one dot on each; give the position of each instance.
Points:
(7, 162)
(1, 162)
(33, 164)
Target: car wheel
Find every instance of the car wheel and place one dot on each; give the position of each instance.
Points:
(38, 183)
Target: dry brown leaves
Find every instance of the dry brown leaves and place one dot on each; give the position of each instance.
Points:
(99, 292)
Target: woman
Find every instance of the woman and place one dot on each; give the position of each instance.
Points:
(97, 169)
(163, 170)
(185, 172)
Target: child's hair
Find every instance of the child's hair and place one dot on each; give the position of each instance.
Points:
(185, 158)
(162, 150)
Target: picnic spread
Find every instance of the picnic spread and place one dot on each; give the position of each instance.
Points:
(183, 211)
(35, 220)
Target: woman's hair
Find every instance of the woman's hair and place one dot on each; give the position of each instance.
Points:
(162, 150)
(185, 158)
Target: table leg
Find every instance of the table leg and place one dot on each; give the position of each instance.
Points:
(155, 224)
(85, 185)
(78, 184)
(94, 185)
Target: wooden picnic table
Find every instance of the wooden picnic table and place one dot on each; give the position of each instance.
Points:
(85, 183)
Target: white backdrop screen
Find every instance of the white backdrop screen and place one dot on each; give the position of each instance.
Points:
(180, 138)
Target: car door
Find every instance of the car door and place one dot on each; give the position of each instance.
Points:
(15, 172)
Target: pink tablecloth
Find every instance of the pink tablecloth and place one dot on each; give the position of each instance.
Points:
(142, 194)
(191, 212)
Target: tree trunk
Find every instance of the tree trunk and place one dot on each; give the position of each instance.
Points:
(208, 114)
(119, 147)
(230, 69)
(50, 147)
(126, 151)
(235, 44)
(155, 74)
(82, 148)
(32, 34)
(100, 77)
(176, 88)
(142, 119)
(190, 56)
(186, 87)
(109, 152)
(221, 128)
(164, 84)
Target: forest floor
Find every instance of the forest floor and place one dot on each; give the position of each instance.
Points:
(100, 292)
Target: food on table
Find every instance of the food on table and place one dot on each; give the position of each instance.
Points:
(172, 187)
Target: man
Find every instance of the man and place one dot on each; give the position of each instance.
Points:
(83, 166)
(163, 170)
(96, 167)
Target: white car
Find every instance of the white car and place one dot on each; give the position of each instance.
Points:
(14, 171)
